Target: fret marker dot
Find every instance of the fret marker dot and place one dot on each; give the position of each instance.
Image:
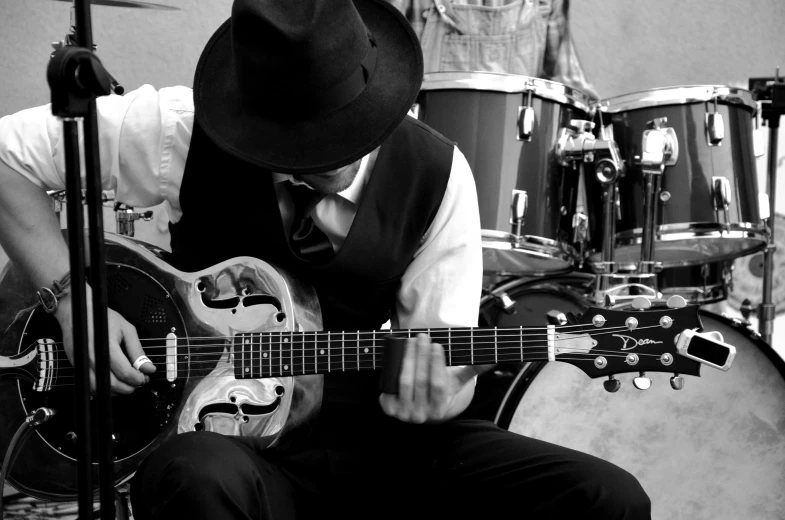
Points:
(321, 352)
(264, 354)
(247, 369)
(286, 340)
(247, 341)
(366, 350)
(286, 367)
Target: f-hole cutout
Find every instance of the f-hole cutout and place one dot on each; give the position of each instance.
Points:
(261, 299)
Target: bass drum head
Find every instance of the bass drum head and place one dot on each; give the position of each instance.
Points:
(528, 302)
(714, 450)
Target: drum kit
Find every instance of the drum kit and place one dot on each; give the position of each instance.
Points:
(585, 202)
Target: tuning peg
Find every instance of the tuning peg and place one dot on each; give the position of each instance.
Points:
(676, 302)
(677, 382)
(641, 303)
(642, 382)
(612, 384)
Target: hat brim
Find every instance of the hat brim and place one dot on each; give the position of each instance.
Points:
(329, 141)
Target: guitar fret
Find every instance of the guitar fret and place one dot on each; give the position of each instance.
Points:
(495, 345)
(471, 344)
(343, 353)
(256, 356)
(328, 351)
(449, 347)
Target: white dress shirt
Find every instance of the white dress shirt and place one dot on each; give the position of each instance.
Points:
(144, 140)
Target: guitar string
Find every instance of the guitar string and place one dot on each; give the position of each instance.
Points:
(266, 364)
(385, 332)
(332, 350)
(319, 336)
(210, 376)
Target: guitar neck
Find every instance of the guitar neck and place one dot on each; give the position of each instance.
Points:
(279, 354)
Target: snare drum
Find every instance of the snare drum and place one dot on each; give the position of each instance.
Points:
(507, 127)
(698, 284)
(707, 208)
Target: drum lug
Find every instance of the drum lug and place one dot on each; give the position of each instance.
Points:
(518, 209)
(722, 195)
(715, 126)
(525, 123)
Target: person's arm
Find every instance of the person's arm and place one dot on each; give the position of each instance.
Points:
(441, 288)
(561, 62)
(31, 161)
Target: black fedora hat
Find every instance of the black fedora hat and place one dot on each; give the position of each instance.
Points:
(307, 86)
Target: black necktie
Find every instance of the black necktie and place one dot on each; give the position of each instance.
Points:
(307, 240)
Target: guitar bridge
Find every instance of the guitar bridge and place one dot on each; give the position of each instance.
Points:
(47, 365)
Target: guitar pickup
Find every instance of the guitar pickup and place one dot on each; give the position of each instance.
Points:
(708, 348)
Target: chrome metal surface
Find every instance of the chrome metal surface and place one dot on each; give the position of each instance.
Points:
(509, 254)
(509, 83)
(480, 112)
(715, 129)
(128, 3)
(666, 359)
(240, 278)
(642, 382)
(678, 95)
(673, 120)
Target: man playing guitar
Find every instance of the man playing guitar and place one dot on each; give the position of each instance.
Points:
(311, 94)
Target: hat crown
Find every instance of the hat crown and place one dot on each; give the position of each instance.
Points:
(285, 47)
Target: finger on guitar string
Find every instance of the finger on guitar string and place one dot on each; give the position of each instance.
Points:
(421, 352)
(439, 396)
(123, 334)
(132, 346)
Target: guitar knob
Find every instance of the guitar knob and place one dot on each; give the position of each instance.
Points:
(677, 382)
(612, 384)
(642, 382)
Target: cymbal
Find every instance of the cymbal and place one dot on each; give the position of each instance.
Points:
(128, 3)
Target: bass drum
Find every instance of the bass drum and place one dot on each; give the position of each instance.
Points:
(515, 303)
(714, 450)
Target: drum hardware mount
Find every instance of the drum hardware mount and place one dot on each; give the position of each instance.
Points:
(715, 126)
(525, 124)
(72, 38)
(125, 217)
(518, 208)
(722, 196)
(770, 94)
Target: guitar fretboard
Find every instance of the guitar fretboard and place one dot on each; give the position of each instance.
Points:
(278, 354)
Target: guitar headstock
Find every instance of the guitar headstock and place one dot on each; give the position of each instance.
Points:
(632, 341)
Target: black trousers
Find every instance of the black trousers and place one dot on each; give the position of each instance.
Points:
(459, 469)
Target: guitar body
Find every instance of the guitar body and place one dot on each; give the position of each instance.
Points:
(185, 322)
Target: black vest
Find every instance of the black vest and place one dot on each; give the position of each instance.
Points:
(230, 209)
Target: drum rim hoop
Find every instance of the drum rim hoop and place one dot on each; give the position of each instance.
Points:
(678, 95)
(509, 84)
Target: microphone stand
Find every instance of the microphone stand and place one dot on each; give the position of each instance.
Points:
(771, 93)
(76, 77)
